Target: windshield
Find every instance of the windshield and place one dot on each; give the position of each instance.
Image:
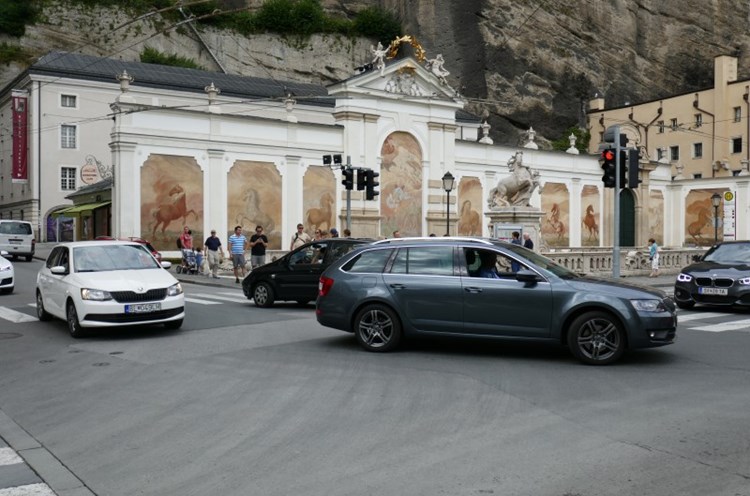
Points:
(542, 262)
(112, 257)
(729, 253)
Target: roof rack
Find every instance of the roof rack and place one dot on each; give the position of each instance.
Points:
(432, 238)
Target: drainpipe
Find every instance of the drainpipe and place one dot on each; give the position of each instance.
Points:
(713, 134)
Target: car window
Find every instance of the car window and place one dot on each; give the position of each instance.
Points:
(314, 253)
(368, 262)
(112, 257)
(542, 262)
(54, 256)
(338, 250)
(729, 253)
(64, 259)
(18, 228)
(425, 260)
(491, 264)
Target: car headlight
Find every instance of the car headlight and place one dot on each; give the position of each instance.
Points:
(684, 278)
(174, 290)
(95, 294)
(648, 305)
(744, 281)
(3, 269)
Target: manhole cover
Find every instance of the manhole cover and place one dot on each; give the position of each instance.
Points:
(9, 335)
(101, 364)
(47, 361)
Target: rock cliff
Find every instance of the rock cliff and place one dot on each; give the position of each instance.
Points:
(526, 63)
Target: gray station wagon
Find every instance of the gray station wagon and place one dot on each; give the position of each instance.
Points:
(472, 287)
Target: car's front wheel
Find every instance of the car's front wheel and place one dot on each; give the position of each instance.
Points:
(596, 338)
(74, 326)
(41, 313)
(263, 295)
(377, 328)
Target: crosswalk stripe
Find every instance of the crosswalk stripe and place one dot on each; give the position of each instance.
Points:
(222, 298)
(202, 302)
(697, 316)
(28, 490)
(9, 457)
(14, 316)
(724, 326)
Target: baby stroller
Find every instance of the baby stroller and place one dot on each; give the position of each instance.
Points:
(189, 263)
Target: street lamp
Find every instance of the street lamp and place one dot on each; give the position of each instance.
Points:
(448, 181)
(716, 201)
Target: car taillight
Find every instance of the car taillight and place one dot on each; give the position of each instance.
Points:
(324, 285)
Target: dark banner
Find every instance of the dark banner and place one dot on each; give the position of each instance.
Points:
(20, 138)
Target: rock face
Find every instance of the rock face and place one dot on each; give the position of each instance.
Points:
(525, 63)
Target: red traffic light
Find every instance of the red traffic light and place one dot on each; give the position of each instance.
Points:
(608, 155)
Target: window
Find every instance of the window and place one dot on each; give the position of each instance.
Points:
(67, 136)
(736, 145)
(737, 114)
(697, 176)
(659, 153)
(698, 120)
(372, 261)
(661, 126)
(432, 260)
(68, 178)
(674, 153)
(68, 101)
(697, 150)
(673, 124)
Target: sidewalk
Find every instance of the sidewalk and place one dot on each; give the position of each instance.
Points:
(226, 276)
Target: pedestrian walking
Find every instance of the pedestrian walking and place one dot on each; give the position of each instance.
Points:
(213, 253)
(527, 243)
(347, 233)
(653, 256)
(237, 247)
(258, 244)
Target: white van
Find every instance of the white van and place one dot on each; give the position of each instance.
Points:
(17, 238)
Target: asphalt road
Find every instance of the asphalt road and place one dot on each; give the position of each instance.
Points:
(247, 401)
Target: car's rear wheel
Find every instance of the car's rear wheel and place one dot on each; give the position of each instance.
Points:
(685, 305)
(596, 338)
(263, 295)
(173, 324)
(74, 326)
(41, 313)
(377, 328)
(29, 258)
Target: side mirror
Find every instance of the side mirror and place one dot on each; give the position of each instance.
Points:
(166, 264)
(696, 258)
(58, 270)
(526, 275)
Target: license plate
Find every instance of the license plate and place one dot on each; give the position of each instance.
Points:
(143, 308)
(15, 241)
(714, 291)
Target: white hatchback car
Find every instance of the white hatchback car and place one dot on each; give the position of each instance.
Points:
(7, 276)
(106, 284)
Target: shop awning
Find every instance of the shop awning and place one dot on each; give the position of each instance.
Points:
(79, 209)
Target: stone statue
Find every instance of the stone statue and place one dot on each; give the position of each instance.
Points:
(516, 189)
(378, 59)
(436, 66)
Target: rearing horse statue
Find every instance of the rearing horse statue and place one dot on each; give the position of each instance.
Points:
(516, 189)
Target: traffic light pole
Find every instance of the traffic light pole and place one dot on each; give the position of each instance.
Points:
(616, 244)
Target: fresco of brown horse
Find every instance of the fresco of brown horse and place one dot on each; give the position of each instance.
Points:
(171, 210)
(317, 217)
(589, 221)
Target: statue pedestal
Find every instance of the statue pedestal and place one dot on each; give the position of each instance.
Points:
(505, 220)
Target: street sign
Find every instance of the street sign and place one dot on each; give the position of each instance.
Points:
(730, 216)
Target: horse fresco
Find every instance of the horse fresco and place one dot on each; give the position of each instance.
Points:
(171, 210)
(317, 217)
(589, 222)
(252, 214)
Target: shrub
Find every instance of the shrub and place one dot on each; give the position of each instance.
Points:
(153, 56)
(12, 53)
(378, 24)
(14, 16)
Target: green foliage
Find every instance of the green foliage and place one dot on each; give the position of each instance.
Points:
(377, 23)
(153, 56)
(12, 53)
(582, 140)
(15, 15)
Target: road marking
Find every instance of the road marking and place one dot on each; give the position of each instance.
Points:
(14, 316)
(28, 490)
(223, 298)
(9, 457)
(697, 316)
(202, 302)
(725, 326)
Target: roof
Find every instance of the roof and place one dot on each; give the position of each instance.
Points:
(88, 67)
(102, 185)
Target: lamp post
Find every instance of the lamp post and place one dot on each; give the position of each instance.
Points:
(716, 201)
(448, 181)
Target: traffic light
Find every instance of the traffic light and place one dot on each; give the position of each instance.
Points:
(608, 166)
(361, 178)
(348, 178)
(633, 159)
(371, 184)
(623, 168)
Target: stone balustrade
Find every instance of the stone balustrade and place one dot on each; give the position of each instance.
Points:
(598, 261)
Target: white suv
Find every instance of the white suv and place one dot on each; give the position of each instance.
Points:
(17, 238)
